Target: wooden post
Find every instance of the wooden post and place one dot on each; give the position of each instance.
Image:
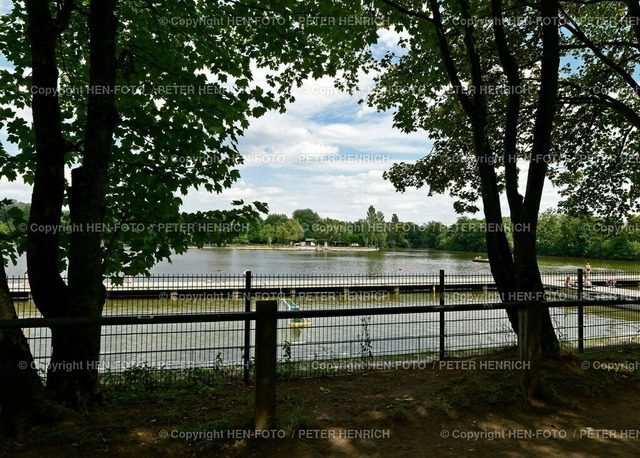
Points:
(247, 327)
(442, 323)
(580, 312)
(530, 347)
(266, 341)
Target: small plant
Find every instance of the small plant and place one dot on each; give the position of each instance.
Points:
(295, 420)
(252, 366)
(135, 382)
(248, 400)
(400, 412)
(444, 406)
(287, 368)
(140, 378)
(366, 348)
(197, 375)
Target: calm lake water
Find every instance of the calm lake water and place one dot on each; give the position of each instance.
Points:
(383, 262)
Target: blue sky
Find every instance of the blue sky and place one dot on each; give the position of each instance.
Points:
(327, 153)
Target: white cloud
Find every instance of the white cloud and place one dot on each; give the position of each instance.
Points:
(388, 40)
(329, 153)
(15, 190)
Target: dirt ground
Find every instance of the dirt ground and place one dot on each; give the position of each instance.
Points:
(465, 407)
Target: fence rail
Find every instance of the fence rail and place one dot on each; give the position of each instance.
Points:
(344, 322)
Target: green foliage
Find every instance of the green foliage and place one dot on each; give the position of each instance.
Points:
(398, 233)
(399, 412)
(267, 234)
(593, 156)
(144, 381)
(293, 417)
(558, 234)
(337, 232)
(288, 232)
(565, 235)
(186, 92)
(13, 218)
(466, 234)
(276, 219)
(426, 236)
(307, 218)
(13, 212)
(374, 229)
(286, 368)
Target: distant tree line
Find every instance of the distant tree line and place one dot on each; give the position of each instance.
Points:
(558, 234)
(586, 236)
(467, 234)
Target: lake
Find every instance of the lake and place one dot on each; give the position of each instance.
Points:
(382, 262)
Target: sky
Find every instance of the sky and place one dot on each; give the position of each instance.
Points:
(327, 153)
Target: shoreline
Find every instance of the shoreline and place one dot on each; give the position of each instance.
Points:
(316, 249)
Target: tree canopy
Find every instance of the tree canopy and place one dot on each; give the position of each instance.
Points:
(592, 157)
(140, 102)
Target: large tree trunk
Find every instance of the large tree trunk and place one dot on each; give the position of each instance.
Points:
(517, 276)
(23, 402)
(75, 348)
(47, 287)
(80, 347)
(524, 273)
(525, 253)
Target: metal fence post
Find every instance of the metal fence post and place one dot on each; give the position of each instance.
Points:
(247, 327)
(580, 312)
(442, 329)
(266, 341)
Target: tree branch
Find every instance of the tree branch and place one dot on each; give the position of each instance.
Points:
(625, 110)
(575, 29)
(545, 112)
(511, 70)
(64, 14)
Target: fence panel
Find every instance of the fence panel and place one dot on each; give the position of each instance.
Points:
(338, 344)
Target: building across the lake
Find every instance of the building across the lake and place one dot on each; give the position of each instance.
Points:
(306, 242)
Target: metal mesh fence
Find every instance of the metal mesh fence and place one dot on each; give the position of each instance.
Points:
(334, 345)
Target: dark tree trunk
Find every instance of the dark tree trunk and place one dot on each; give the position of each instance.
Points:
(516, 275)
(76, 348)
(87, 202)
(23, 402)
(47, 287)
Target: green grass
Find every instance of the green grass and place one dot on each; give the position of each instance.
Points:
(292, 417)
(144, 382)
(399, 412)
